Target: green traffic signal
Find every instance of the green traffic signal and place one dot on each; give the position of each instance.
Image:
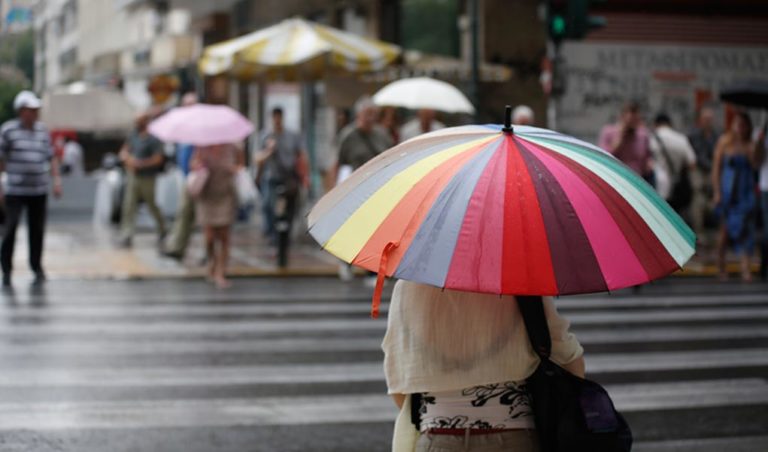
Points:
(558, 26)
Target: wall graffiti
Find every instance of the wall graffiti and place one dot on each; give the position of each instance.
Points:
(675, 79)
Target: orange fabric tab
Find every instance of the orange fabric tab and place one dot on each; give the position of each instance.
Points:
(380, 279)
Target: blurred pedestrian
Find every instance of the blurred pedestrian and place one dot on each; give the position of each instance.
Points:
(424, 122)
(343, 118)
(675, 164)
(703, 138)
(143, 158)
(733, 181)
(463, 359)
(178, 239)
(281, 174)
(363, 139)
(358, 143)
(216, 205)
(628, 140)
(523, 115)
(388, 121)
(26, 156)
(72, 160)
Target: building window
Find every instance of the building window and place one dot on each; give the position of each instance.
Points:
(69, 16)
(68, 59)
(142, 57)
(431, 26)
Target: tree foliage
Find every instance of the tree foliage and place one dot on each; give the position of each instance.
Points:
(25, 54)
(8, 90)
(17, 69)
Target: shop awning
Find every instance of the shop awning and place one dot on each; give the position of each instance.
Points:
(296, 49)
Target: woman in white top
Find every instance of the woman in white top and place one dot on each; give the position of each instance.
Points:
(466, 356)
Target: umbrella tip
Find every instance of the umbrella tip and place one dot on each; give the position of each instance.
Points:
(507, 120)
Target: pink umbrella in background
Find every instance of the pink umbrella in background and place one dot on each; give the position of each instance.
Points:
(201, 125)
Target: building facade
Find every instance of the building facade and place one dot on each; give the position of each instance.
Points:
(138, 47)
(670, 56)
(56, 25)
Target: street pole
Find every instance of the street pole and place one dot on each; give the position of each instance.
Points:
(474, 30)
(552, 104)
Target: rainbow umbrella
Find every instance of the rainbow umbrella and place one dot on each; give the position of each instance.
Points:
(491, 209)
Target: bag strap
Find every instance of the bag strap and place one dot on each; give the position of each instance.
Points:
(532, 309)
(416, 410)
(665, 153)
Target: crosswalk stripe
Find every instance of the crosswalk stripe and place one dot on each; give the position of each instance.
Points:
(205, 298)
(330, 409)
(166, 310)
(245, 306)
(689, 394)
(658, 361)
(144, 327)
(169, 346)
(347, 372)
(731, 444)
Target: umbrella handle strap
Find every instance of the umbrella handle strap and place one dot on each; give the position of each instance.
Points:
(376, 303)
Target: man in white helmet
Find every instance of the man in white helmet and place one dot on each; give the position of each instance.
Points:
(27, 158)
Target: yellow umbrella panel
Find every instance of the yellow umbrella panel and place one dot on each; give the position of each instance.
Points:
(296, 48)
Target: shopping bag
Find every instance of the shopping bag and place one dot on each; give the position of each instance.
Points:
(246, 189)
(196, 181)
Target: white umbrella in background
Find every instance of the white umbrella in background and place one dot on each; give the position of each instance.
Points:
(423, 92)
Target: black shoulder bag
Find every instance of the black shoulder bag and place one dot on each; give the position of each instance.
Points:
(571, 414)
(682, 191)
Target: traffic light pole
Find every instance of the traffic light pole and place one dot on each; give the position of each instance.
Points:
(474, 14)
(553, 102)
(566, 19)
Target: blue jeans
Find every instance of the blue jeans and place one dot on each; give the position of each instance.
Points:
(268, 209)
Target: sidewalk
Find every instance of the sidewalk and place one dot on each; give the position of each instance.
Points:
(75, 249)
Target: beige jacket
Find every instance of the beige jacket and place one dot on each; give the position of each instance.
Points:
(442, 340)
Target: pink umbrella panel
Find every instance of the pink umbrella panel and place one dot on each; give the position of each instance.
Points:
(202, 125)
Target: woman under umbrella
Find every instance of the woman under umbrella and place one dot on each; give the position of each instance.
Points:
(216, 204)
(462, 358)
(475, 217)
(212, 129)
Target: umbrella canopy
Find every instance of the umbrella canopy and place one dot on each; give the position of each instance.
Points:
(87, 109)
(525, 212)
(748, 93)
(201, 125)
(424, 92)
(295, 49)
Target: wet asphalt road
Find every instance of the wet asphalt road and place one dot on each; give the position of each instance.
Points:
(295, 365)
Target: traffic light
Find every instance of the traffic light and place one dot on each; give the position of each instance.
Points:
(557, 12)
(581, 23)
(570, 19)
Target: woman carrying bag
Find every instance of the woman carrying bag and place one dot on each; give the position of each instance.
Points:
(216, 203)
(465, 356)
